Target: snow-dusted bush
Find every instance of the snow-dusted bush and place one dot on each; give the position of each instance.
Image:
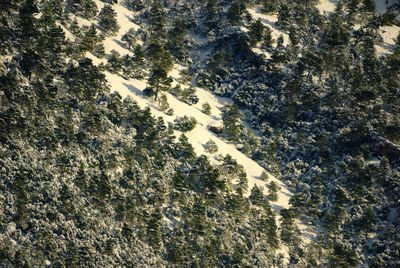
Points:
(185, 123)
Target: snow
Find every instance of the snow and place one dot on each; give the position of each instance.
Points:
(373, 161)
(68, 34)
(124, 16)
(327, 6)
(389, 35)
(200, 134)
(270, 21)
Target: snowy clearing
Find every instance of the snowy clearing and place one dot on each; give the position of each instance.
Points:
(270, 21)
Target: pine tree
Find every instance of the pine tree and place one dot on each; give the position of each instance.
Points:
(290, 233)
(157, 20)
(234, 13)
(367, 221)
(269, 6)
(164, 105)
(153, 229)
(211, 147)
(176, 38)
(108, 21)
(158, 81)
(273, 191)
(206, 108)
(27, 21)
(84, 8)
(129, 38)
(89, 40)
(256, 196)
(114, 62)
(230, 117)
(256, 32)
(283, 17)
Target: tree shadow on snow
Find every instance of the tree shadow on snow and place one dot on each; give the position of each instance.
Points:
(133, 89)
(118, 43)
(277, 208)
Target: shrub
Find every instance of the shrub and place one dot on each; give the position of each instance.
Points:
(185, 123)
(211, 147)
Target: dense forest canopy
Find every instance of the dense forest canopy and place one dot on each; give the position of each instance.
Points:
(89, 178)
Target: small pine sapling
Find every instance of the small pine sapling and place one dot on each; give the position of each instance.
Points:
(211, 147)
(206, 108)
(164, 105)
(273, 191)
(264, 176)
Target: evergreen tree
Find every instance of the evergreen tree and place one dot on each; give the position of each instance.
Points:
(256, 32)
(257, 196)
(85, 80)
(108, 21)
(368, 221)
(114, 62)
(290, 233)
(28, 22)
(157, 20)
(211, 147)
(206, 108)
(269, 6)
(234, 13)
(153, 229)
(129, 38)
(283, 17)
(84, 8)
(158, 81)
(230, 117)
(273, 191)
(176, 38)
(89, 40)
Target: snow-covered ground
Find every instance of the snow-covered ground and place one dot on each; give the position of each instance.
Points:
(200, 134)
(327, 6)
(270, 21)
(389, 35)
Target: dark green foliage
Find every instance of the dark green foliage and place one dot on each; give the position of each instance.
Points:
(89, 40)
(256, 196)
(158, 55)
(84, 8)
(88, 179)
(158, 81)
(283, 16)
(336, 33)
(108, 21)
(153, 229)
(269, 6)
(27, 20)
(185, 123)
(234, 13)
(211, 147)
(114, 62)
(273, 191)
(176, 39)
(129, 38)
(230, 117)
(85, 80)
(256, 32)
(290, 233)
(206, 108)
